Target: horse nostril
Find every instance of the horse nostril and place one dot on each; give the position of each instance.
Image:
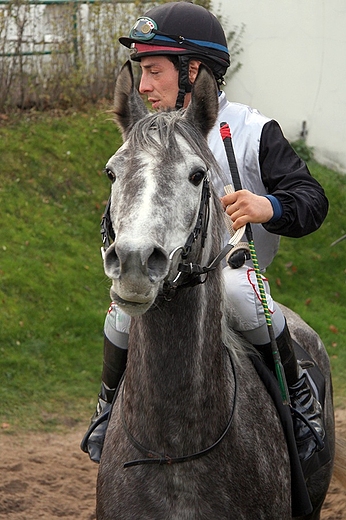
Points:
(111, 260)
(158, 264)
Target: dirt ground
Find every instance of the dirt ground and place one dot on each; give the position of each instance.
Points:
(46, 477)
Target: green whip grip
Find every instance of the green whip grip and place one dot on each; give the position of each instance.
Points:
(279, 369)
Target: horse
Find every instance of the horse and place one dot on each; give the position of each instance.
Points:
(193, 433)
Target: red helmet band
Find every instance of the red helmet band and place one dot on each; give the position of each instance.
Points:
(145, 47)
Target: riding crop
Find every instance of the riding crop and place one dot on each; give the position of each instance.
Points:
(279, 370)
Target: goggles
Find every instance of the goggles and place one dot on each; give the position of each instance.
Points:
(144, 29)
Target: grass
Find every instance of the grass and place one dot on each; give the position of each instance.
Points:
(53, 292)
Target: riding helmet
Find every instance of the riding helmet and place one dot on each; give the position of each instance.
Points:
(183, 29)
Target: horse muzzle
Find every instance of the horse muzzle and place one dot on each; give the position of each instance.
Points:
(136, 273)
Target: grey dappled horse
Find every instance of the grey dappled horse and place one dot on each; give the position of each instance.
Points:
(193, 421)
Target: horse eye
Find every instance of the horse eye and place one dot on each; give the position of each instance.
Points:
(196, 177)
(110, 174)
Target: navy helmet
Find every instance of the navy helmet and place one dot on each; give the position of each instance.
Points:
(185, 30)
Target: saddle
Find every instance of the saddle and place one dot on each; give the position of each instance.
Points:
(300, 472)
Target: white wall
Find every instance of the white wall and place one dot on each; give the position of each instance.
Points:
(294, 68)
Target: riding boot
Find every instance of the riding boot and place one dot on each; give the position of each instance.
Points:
(306, 410)
(114, 364)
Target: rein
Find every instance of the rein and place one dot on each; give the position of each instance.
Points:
(153, 457)
(188, 275)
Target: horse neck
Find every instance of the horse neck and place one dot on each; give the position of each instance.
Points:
(176, 376)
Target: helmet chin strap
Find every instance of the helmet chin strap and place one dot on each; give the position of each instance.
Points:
(184, 83)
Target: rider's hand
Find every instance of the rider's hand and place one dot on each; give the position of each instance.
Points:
(243, 207)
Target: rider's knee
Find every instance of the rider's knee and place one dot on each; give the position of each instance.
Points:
(117, 326)
(244, 305)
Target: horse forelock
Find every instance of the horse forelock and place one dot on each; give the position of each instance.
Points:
(157, 134)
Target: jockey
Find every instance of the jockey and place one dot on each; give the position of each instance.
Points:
(279, 197)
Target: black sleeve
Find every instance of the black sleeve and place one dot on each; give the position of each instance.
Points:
(287, 177)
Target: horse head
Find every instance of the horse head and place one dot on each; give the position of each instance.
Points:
(158, 176)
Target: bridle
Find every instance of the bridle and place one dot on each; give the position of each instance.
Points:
(188, 274)
(106, 228)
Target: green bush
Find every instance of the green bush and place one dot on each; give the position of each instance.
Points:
(304, 151)
(67, 54)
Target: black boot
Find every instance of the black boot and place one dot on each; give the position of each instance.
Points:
(114, 364)
(306, 410)
(93, 439)
(305, 407)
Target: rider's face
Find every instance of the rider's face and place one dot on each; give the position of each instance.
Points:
(159, 81)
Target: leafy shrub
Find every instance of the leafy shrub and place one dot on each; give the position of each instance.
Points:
(66, 54)
(304, 151)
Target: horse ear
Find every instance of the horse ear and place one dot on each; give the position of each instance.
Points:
(128, 104)
(204, 106)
